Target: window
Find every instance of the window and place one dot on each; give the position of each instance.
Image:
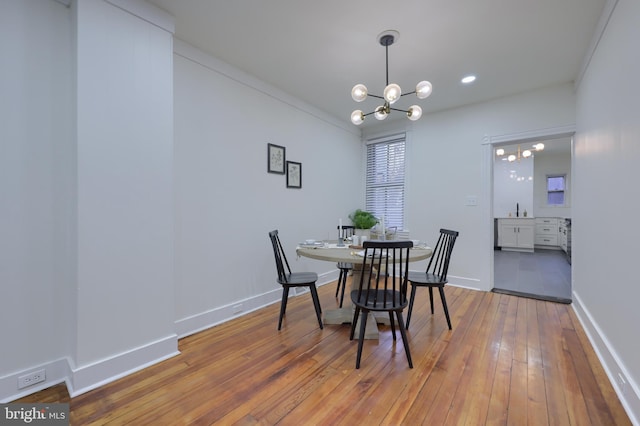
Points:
(555, 190)
(385, 180)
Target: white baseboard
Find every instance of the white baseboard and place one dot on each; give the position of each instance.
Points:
(55, 372)
(464, 282)
(629, 395)
(87, 377)
(221, 314)
(81, 379)
(204, 320)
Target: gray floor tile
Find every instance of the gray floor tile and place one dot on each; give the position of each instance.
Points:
(545, 274)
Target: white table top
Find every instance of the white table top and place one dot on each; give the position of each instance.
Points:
(332, 253)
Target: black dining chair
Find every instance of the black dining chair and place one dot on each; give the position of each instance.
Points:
(290, 279)
(344, 267)
(436, 273)
(382, 288)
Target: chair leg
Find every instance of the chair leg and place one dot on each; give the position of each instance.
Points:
(393, 325)
(339, 282)
(413, 296)
(363, 326)
(283, 305)
(353, 323)
(444, 305)
(344, 285)
(431, 298)
(404, 338)
(316, 303)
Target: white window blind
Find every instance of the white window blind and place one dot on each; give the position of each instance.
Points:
(555, 190)
(385, 180)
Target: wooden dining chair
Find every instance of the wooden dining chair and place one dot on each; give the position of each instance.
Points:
(344, 267)
(436, 273)
(289, 279)
(382, 288)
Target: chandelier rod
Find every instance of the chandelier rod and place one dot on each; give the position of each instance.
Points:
(391, 109)
(396, 109)
(386, 49)
(386, 41)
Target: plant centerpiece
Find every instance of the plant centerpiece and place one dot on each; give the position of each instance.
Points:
(363, 221)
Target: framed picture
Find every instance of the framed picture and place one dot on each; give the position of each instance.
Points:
(294, 174)
(275, 158)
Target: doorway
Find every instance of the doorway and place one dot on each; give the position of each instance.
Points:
(541, 271)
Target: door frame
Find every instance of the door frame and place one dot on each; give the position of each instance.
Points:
(488, 143)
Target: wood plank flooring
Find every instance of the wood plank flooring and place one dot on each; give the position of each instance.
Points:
(507, 361)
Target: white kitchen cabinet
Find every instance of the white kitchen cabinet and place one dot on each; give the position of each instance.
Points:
(516, 234)
(547, 232)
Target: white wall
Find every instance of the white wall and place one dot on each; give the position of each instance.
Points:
(447, 162)
(35, 167)
(226, 202)
(513, 186)
(531, 194)
(606, 234)
(545, 165)
(124, 190)
(87, 169)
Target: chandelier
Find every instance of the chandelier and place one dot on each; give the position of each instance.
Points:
(391, 93)
(519, 154)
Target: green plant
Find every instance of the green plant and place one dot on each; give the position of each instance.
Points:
(362, 219)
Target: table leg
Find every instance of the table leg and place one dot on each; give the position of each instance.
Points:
(344, 315)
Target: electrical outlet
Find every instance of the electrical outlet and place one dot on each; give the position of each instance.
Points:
(622, 383)
(471, 200)
(31, 378)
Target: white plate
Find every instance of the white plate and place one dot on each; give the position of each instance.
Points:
(311, 245)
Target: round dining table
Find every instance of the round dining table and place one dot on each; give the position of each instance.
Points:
(331, 252)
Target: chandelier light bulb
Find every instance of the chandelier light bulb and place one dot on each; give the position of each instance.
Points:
(423, 89)
(380, 113)
(511, 158)
(526, 153)
(539, 146)
(359, 92)
(499, 152)
(357, 117)
(414, 113)
(392, 93)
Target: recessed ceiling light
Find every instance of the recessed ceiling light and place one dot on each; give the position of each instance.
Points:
(468, 79)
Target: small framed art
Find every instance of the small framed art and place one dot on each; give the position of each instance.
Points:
(276, 159)
(294, 174)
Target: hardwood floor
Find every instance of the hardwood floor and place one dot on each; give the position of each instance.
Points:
(508, 360)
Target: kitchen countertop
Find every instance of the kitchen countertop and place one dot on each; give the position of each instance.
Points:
(534, 217)
(513, 217)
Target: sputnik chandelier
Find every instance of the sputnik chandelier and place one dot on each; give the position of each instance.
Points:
(392, 92)
(519, 154)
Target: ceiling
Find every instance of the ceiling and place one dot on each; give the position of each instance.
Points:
(317, 51)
